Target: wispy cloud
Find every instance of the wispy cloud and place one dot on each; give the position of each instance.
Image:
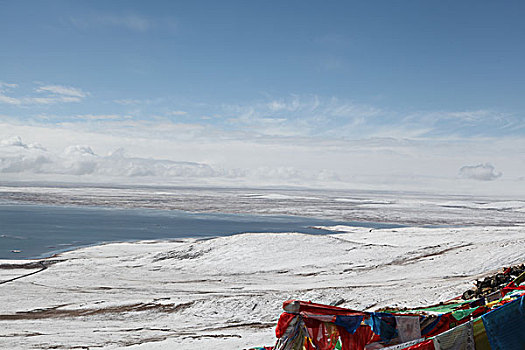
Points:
(313, 115)
(128, 21)
(176, 113)
(300, 116)
(473, 123)
(46, 95)
(7, 86)
(332, 63)
(102, 117)
(10, 100)
(333, 41)
(128, 102)
(293, 116)
(60, 90)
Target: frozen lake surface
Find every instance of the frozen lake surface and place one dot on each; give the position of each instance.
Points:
(415, 209)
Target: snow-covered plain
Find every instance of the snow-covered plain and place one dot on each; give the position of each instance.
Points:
(376, 206)
(227, 292)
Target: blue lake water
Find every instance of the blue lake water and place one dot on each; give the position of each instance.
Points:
(32, 230)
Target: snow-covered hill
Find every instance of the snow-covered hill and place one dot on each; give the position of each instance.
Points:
(227, 292)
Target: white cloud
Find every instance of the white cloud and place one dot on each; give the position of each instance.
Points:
(17, 157)
(62, 90)
(332, 63)
(7, 86)
(483, 172)
(100, 117)
(10, 100)
(131, 21)
(298, 140)
(386, 164)
(52, 94)
(50, 100)
(176, 113)
(23, 161)
(313, 115)
(77, 160)
(461, 124)
(4, 87)
(15, 141)
(22, 164)
(79, 150)
(333, 40)
(302, 116)
(127, 101)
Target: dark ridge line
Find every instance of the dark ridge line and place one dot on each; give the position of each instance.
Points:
(41, 263)
(56, 312)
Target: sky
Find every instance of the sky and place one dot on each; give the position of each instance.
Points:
(396, 95)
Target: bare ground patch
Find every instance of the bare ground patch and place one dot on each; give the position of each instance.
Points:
(56, 312)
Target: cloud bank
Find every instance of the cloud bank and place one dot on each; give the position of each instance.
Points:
(299, 140)
(373, 164)
(19, 158)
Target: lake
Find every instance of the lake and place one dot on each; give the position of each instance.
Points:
(35, 231)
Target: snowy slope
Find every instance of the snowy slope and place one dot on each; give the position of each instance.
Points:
(226, 293)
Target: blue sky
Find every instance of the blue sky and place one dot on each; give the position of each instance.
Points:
(204, 80)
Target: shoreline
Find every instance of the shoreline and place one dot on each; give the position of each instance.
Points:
(57, 228)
